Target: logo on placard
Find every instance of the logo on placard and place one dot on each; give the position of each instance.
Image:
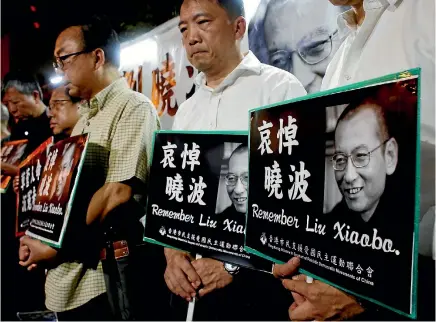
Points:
(263, 239)
(162, 231)
(25, 223)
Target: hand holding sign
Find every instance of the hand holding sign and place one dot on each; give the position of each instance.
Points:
(33, 251)
(180, 276)
(212, 273)
(319, 301)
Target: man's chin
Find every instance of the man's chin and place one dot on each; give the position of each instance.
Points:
(241, 209)
(356, 205)
(201, 64)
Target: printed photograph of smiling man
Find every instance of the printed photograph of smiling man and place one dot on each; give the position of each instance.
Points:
(370, 159)
(232, 194)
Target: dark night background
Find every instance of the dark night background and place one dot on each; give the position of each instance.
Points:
(31, 47)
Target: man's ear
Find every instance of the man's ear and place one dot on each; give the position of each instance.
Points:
(37, 97)
(100, 58)
(391, 156)
(240, 27)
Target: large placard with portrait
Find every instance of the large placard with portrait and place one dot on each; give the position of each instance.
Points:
(334, 179)
(198, 193)
(56, 190)
(29, 177)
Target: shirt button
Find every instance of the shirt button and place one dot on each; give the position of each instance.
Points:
(347, 77)
(87, 123)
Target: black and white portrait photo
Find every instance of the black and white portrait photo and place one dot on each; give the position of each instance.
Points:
(233, 187)
(299, 36)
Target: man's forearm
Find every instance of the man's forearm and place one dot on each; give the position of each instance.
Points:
(107, 198)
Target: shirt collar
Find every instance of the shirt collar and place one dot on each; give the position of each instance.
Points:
(249, 63)
(99, 101)
(347, 20)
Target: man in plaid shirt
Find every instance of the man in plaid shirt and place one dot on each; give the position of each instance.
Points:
(121, 123)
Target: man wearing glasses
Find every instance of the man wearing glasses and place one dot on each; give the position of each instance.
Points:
(363, 161)
(63, 112)
(387, 37)
(120, 123)
(301, 37)
(237, 183)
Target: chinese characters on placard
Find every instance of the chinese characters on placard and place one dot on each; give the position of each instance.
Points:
(29, 177)
(286, 136)
(174, 185)
(44, 187)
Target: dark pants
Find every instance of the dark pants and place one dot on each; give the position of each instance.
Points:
(16, 297)
(135, 284)
(97, 309)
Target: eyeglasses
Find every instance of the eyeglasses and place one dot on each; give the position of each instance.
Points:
(59, 62)
(232, 179)
(56, 105)
(359, 157)
(312, 51)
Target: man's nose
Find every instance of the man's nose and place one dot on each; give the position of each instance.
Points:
(239, 188)
(193, 36)
(350, 172)
(12, 108)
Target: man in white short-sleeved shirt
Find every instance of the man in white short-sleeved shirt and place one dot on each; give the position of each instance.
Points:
(229, 85)
(383, 37)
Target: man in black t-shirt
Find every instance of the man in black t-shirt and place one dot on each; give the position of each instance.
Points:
(22, 95)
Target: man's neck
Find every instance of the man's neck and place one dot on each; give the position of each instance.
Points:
(40, 110)
(107, 78)
(359, 11)
(215, 77)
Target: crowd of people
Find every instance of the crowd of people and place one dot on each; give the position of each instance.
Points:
(152, 283)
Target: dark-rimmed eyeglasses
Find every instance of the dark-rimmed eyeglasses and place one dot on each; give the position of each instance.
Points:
(56, 105)
(360, 157)
(311, 52)
(232, 179)
(59, 62)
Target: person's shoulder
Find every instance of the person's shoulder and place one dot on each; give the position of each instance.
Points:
(281, 84)
(189, 103)
(136, 98)
(185, 107)
(137, 102)
(273, 73)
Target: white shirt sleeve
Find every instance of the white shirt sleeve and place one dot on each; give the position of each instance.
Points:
(423, 52)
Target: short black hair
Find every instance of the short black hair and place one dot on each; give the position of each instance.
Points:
(97, 32)
(371, 104)
(243, 147)
(73, 99)
(24, 82)
(234, 8)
